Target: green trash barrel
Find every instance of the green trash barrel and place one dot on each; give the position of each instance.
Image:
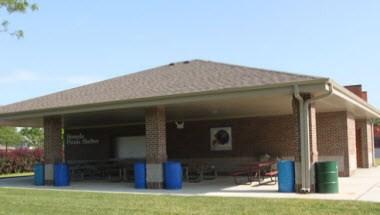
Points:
(327, 177)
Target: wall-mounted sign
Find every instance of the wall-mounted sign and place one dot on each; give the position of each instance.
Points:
(221, 139)
(77, 139)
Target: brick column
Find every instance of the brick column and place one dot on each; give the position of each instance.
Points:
(297, 145)
(52, 145)
(350, 146)
(155, 129)
(366, 144)
(372, 149)
(313, 144)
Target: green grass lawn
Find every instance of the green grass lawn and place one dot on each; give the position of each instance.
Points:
(16, 175)
(24, 201)
(378, 161)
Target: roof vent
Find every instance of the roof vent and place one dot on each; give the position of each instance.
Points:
(186, 62)
(171, 64)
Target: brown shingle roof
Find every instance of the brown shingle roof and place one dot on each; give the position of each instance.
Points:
(173, 79)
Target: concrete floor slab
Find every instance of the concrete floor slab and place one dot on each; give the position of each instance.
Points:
(364, 185)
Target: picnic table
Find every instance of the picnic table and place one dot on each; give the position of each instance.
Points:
(256, 171)
(198, 171)
(98, 169)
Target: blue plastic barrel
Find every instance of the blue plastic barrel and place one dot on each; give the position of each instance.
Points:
(173, 175)
(61, 175)
(39, 174)
(140, 175)
(286, 176)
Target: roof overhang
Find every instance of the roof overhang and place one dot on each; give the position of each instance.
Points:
(354, 100)
(341, 100)
(313, 86)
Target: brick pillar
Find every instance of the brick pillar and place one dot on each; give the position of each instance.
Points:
(155, 129)
(372, 147)
(52, 145)
(297, 144)
(350, 159)
(366, 143)
(313, 144)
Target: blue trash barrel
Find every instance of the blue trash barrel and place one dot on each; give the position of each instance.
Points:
(39, 174)
(286, 176)
(140, 175)
(61, 175)
(173, 175)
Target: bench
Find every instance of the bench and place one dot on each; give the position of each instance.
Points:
(272, 175)
(256, 171)
(243, 172)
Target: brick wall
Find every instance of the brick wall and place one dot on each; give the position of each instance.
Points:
(251, 137)
(336, 140)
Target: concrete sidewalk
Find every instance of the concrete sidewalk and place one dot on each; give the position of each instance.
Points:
(364, 186)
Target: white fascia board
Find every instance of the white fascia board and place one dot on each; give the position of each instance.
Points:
(349, 96)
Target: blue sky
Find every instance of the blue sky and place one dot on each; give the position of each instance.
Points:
(70, 43)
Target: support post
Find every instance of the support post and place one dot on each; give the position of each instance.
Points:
(366, 144)
(155, 129)
(313, 145)
(305, 155)
(304, 111)
(298, 140)
(53, 147)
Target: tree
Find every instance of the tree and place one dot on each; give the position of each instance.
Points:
(33, 136)
(9, 137)
(14, 6)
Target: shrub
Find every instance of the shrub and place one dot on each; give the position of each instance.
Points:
(19, 160)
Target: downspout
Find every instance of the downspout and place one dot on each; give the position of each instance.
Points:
(305, 134)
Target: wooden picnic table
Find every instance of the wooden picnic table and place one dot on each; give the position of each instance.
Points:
(261, 166)
(202, 171)
(254, 169)
(94, 169)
